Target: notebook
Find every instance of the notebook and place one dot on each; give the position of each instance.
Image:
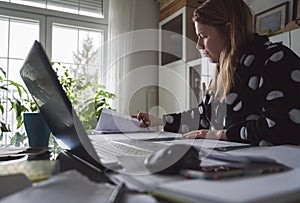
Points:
(56, 108)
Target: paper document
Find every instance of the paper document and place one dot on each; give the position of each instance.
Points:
(280, 187)
(113, 122)
(11, 152)
(69, 186)
(285, 154)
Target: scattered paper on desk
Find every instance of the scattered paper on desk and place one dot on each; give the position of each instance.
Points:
(35, 170)
(279, 187)
(285, 154)
(9, 150)
(111, 122)
(69, 186)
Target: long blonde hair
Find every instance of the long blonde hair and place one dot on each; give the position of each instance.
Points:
(222, 14)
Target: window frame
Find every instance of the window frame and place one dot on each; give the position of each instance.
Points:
(47, 17)
(30, 16)
(68, 22)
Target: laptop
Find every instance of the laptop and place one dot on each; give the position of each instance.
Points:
(56, 108)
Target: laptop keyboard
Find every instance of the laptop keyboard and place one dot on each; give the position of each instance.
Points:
(108, 151)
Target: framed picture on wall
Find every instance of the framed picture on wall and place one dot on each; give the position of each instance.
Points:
(272, 20)
(296, 9)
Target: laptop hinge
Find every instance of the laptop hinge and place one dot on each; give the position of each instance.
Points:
(69, 161)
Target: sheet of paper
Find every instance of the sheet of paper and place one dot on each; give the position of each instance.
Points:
(69, 186)
(285, 154)
(9, 150)
(280, 187)
(13, 183)
(111, 121)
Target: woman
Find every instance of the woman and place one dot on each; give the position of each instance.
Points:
(254, 91)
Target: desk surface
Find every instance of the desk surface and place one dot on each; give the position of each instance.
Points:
(279, 187)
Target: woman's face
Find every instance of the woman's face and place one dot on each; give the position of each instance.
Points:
(210, 41)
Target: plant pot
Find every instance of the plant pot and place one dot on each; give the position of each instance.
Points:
(37, 130)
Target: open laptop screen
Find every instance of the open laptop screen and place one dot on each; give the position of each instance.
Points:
(56, 108)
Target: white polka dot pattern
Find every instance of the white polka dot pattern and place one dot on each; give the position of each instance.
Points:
(294, 115)
(266, 63)
(274, 95)
(224, 121)
(271, 46)
(261, 82)
(210, 100)
(277, 56)
(263, 143)
(268, 43)
(231, 97)
(169, 119)
(192, 115)
(185, 128)
(270, 123)
(253, 82)
(217, 110)
(201, 110)
(238, 106)
(296, 75)
(204, 98)
(242, 58)
(243, 133)
(204, 123)
(261, 104)
(252, 117)
(249, 60)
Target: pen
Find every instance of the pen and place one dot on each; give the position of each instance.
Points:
(158, 139)
(229, 148)
(143, 120)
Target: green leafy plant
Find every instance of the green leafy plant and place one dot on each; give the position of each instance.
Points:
(12, 102)
(87, 98)
(15, 104)
(90, 114)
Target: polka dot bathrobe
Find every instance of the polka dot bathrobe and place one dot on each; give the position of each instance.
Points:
(263, 107)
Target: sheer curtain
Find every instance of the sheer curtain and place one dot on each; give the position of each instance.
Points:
(121, 23)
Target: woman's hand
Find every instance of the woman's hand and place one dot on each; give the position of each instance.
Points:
(148, 119)
(206, 134)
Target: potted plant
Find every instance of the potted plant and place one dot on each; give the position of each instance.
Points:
(25, 112)
(89, 107)
(13, 102)
(37, 130)
(87, 98)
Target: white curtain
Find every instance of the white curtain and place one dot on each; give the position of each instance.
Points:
(121, 22)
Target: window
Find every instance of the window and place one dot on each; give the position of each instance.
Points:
(61, 32)
(207, 72)
(74, 38)
(13, 47)
(92, 8)
(201, 74)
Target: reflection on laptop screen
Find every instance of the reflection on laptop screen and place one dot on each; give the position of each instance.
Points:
(56, 108)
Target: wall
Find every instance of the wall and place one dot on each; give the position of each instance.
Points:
(142, 78)
(262, 5)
